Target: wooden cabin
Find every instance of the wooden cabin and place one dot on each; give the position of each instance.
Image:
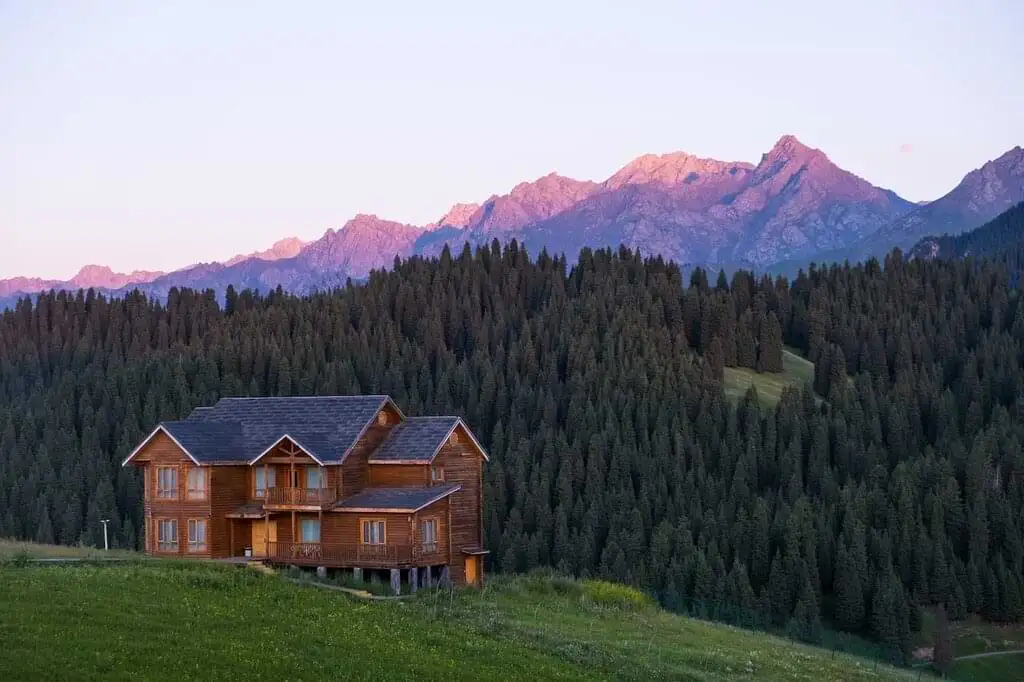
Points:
(325, 481)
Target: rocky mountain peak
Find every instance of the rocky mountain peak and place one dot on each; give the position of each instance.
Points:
(676, 168)
(459, 215)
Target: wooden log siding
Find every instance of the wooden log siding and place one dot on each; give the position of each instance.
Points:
(355, 472)
(463, 464)
(229, 489)
(398, 475)
(161, 451)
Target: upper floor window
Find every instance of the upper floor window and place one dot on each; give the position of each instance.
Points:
(374, 532)
(436, 474)
(314, 477)
(197, 535)
(196, 484)
(265, 478)
(428, 534)
(167, 535)
(455, 438)
(167, 483)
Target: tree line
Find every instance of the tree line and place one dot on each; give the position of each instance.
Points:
(890, 484)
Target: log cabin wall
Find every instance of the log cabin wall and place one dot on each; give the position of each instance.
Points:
(463, 464)
(162, 452)
(399, 475)
(229, 489)
(355, 470)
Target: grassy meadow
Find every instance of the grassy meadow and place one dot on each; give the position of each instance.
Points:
(796, 372)
(186, 620)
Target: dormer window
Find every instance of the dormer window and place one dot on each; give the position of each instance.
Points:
(382, 418)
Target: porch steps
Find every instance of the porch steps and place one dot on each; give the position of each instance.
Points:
(261, 567)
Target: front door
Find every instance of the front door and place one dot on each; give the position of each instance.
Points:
(262, 533)
(471, 573)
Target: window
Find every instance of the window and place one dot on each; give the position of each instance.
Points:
(314, 477)
(428, 534)
(197, 535)
(196, 484)
(167, 483)
(382, 418)
(373, 532)
(265, 478)
(436, 474)
(455, 438)
(167, 535)
(310, 530)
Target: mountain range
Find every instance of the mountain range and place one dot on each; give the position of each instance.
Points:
(792, 207)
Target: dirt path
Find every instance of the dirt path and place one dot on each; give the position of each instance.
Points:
(1008, 652)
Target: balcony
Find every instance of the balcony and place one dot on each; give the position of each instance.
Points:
(287, 498)
(355, 556)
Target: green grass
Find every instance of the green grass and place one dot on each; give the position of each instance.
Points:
(179, 620)
(17, 549)
(796, 372)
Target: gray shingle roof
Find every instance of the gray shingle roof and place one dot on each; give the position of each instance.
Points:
(417, 439)
(241, 429)
(208, 441)
(398, 499)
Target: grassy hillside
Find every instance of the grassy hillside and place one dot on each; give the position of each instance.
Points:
(172, 621)
(14, 549)
(796, 372)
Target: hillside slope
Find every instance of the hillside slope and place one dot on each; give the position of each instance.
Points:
(170, 621)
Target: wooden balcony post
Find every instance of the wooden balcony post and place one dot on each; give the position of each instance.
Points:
(396, 581)
(414, 579)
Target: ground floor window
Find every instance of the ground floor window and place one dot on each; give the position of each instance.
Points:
(197, 535)
(428, 534)
(310, 530)
(373, 532)
(167, 535)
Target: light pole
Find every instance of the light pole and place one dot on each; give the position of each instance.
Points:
(106, 545)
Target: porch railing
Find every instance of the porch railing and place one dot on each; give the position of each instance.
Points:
(300, 497)
(329, 554)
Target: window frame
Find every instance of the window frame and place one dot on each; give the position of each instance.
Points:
(302, 534)
(321, 476)
(170, 493)
(436, 523)
(363, 535)
(166, 545)
(270, 482)
(436, 468)
(197, 493)
(193, 545)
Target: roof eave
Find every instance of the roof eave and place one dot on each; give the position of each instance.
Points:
(278, 442)
(159, 428)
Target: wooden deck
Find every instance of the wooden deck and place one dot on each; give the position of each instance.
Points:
(354, 556)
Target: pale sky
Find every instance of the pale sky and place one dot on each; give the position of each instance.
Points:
(150, 135)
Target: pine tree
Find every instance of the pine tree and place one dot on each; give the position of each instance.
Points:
(942, 652)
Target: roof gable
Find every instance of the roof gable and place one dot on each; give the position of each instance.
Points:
(418, 440)
(240, 430)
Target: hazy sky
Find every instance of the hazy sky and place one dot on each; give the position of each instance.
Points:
(151, 135)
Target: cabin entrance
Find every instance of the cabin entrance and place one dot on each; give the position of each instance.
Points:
(472, 574)
(263, 531)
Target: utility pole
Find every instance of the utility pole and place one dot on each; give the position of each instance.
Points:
(106, 545)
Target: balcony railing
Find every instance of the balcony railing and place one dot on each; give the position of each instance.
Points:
(370, 556)
(300, 497)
